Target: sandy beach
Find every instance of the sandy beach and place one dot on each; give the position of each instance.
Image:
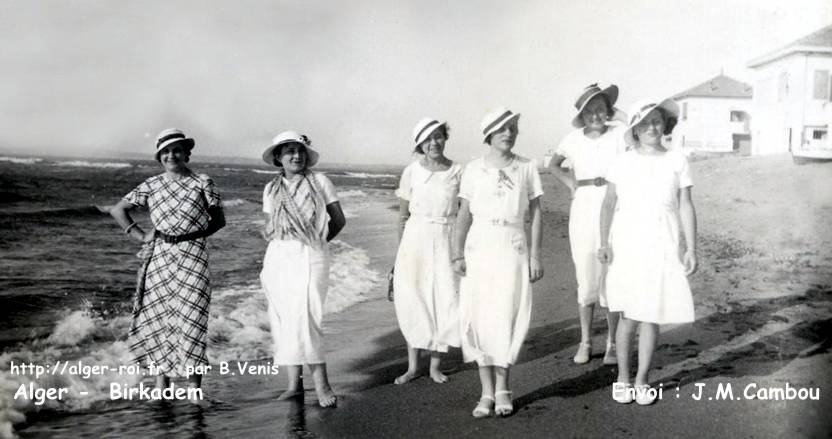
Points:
(764, 315)
(763, 297)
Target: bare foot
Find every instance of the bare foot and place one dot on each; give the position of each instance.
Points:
(406, 378)
(326, 397)
(290, 394)
(438, 377)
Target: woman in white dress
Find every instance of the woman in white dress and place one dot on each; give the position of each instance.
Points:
(590, 149)
(648, 201)
(499, 193)
(302, 216)
(425, 285)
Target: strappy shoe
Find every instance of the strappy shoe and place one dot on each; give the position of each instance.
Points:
(582, 356)
(483, 410)
(610, 358)
(504, 409)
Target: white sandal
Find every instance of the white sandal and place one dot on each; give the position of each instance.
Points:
(504, 409)
(479, 410)
(583, 354)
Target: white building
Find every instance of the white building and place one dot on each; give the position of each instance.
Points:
(714, 117)
(793, 97)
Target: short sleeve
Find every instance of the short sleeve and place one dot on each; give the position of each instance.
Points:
(404, 188)
(685, 177)
(466, 184)
(618, 135)
(212, 195)
(328, 189)
(138, 196)
(267, 199)
(565, 149)
(535, 187)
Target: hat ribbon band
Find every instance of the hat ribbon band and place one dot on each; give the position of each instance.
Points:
(498, 121)
(169, 137)
(425, 128)
(591, 91)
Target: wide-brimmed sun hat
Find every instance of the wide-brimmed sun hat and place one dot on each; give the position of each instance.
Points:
(495, 119)
(642, 108)
(169, 136)
(290, 137)
(587, 94)
(424, 128)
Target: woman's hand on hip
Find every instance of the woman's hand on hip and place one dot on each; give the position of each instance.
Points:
(535, 269)
(605, 255)
(149, 236)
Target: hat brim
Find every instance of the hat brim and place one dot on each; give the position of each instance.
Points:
(427, 133)
(610, 92)
(311, 155)
(500, 126)
(187, 142)
(668, 105)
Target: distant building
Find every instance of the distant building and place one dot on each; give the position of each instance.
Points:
(714, 117)
(793, 96)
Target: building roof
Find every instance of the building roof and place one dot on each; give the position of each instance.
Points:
(718, 87)
(819, 41)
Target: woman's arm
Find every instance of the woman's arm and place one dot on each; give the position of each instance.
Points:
(564, 176)
(404, 214)
(121, 213)
(217, 221)
(535, 265)
(687, 215)
(607, 212)
(337, 221)
(463, 224)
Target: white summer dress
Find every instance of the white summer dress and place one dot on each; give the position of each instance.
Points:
(646, 279)
(495, 294)
(425, 285)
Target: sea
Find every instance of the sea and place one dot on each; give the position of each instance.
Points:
(69, 272)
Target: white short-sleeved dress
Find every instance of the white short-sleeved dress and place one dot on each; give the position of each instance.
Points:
(426, 301)
(589, 158)
(295, 278)
(495, 294)
(646, 279)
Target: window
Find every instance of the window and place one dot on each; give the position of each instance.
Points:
(821, 90)
(818, 134)
(736, 116)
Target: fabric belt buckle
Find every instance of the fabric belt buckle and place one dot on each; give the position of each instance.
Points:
(599, 181)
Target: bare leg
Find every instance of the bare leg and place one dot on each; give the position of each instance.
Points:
(412, 366)
(624, 335)
(162, 381)
(326, 397)
(584, 349)
(612, 324)
(647, 337)
(435, 373)
(295, 385)
(502, 395)
(486, 402)
(195, 382)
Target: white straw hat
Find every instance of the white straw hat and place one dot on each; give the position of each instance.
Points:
(424, 128)
(169, 136)
(587, 94)
(642, 108)
(290, 137)
(495, 119)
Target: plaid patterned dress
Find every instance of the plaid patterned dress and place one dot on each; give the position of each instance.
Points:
(170, 313)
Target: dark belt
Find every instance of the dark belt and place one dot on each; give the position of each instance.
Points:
(176, 239)
(597, 181)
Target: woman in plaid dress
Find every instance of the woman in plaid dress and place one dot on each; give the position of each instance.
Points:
(170, 309)
(302, 215)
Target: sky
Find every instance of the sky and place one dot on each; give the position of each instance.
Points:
(102, 78)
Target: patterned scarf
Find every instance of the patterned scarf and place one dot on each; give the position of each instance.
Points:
(294, 209)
